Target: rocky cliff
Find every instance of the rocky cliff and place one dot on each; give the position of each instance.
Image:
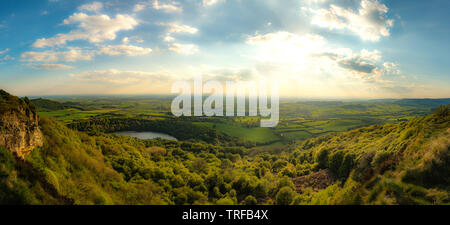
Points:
(19, 128)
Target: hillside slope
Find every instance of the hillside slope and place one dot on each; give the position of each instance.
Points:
(406, 163)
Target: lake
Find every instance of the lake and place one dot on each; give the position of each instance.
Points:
(146, 135)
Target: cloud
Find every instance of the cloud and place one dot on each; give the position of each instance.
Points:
(78, 54)
(51, 67)
(185, 49)
(128, 50)
(370, 22)
(94, 28)
(71, 55)
(179, 28)
(138, 7)
(121, 77)
(229, 74)
(391, 68)
(169, 38)
(315, 1)
(4, 51)
(91, 7)
(363, 64)
(4, 57)
(372, 56)
(283, 54)
(286, 47)
(211, 2)
(176, 28)
(356, 65)
(171, 6)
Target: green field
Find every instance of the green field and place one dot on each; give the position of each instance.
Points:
(256, 134)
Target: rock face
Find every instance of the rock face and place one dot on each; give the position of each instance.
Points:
(19, 128)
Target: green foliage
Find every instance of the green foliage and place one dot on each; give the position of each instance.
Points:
(322, 158)
(250, 200)
(23, 106)
(285, 196)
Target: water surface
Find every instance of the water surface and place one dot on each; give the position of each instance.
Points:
(146, 135)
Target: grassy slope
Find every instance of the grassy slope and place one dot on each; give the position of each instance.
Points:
(406, 163)
(75, 165)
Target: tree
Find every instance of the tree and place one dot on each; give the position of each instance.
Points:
(335, 162)
(285, 196)
(322, 159)
(199, 165)
(250, 200)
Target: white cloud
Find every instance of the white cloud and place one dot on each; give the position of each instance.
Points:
(169, 38)
(72, 55)
(5, 57)
(51, 67)
(78, 54)
(369, 22)
(392, 68)
(185, 49)
(125, 40)
(179, 28)
(120, 77)
(211, 2)
(91, 7)
(171, 6)
(286, 47)
(4, 51)
(372, 56)
(128, 50)
(138, 7)
(94, 28)
(284, 54)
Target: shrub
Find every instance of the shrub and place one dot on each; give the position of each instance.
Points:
(225, 201)
(322, 158)
(335, 161)
(347, 165)
(250, 200)
(285, 196)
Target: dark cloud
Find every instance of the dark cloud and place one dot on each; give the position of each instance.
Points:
(355, 64)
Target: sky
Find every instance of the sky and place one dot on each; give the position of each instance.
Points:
(312, 48)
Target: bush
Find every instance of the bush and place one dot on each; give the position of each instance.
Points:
(322, 158)
(347, 166)
(285, 196)
(250, 200)
(335, 162)
(225, 201)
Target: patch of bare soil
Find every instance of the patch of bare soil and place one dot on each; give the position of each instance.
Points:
(317, 181)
